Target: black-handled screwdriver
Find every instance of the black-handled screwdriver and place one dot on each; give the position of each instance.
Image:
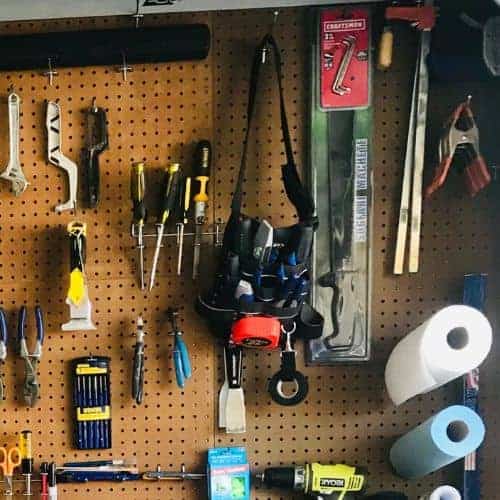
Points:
(185, 201)
(169, 201)
(138, 192)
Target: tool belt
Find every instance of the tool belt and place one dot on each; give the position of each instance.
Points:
(264, 270)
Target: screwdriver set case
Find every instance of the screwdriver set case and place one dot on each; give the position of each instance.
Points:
(91, 402)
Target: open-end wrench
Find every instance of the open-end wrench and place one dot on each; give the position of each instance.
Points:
(56, 156)
(338, 84)
(14, 173)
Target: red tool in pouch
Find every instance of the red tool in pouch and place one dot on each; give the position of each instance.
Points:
(259, 332)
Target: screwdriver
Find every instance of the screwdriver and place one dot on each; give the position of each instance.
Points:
(185, 202)
(137, 192)
(26, 459)
(202, 159)
(169, 201)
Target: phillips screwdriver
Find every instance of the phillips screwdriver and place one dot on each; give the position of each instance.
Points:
(26, 459)
(185, 202)
(138, 192)
(203, 160)
(169, 201)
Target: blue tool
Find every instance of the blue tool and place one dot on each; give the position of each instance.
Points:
(31, 389)
(3, 348)
(180, 353)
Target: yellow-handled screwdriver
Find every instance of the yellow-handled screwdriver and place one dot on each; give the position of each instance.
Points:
(138, 192)
(203, 160)
(185, 202)
(169, 201)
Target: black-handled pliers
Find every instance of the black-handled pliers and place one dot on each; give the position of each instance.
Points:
(31, 389)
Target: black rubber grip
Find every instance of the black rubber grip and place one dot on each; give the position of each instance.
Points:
(279, 477)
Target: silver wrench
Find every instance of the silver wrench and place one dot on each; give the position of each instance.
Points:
(338, 84)
(14, 173)
(57, 158)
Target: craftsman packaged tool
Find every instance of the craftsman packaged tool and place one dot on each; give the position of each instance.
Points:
(263, 270)
(180, 354)
(4, 341)
(345, 55)
(88, 471)
(31, 389)
(57, 158)
(80, 307)
(138, 368)
(138, 193)
(449, 344)
(169, 200)
(461, 136)
(340, 180)
(202, 167)
(13, 173)
(228, 474)
(441, 440)
(315, 480)
(91, 402)
(96, 143)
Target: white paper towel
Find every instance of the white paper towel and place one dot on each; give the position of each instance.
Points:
(443, 493)
(451, 343)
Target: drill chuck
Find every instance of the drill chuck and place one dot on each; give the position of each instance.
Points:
(285, 477)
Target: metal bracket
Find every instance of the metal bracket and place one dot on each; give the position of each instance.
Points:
(57, 158)
(14, 173)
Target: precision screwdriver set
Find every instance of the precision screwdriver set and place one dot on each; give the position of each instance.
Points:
(91, 403)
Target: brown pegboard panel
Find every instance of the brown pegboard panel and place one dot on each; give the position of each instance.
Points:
(156, 117)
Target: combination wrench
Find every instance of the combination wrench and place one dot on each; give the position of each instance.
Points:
(14, 173)
(56, 156)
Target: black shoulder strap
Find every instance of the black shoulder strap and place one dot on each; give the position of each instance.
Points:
(298, 195)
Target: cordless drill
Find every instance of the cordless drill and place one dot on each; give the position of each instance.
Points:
(322, 482)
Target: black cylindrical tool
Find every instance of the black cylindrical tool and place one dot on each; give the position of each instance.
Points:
(105, 47)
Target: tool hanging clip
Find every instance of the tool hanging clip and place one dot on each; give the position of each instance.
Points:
(461, 135)
(57, 158)
(14, 173)
(31, 389)
(78, 300)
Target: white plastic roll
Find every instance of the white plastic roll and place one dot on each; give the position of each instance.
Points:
(443, 493)
(451, 343)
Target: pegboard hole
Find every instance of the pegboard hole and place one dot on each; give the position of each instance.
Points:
(458, 338)
(457, 431)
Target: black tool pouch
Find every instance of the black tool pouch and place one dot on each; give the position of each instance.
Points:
(264, 270)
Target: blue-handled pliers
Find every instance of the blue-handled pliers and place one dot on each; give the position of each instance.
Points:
(180, 353)
(31, 389)
(3, 348)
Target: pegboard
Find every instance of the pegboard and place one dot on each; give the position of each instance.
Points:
(156, 116)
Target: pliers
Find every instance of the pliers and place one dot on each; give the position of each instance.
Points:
(3, 348)
(461, 133)
(31, 389)
(180, 353)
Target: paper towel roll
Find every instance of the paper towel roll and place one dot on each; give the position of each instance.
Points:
(443, 493)
(451, 343)
(442, 439)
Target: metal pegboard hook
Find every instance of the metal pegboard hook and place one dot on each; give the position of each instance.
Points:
(138, 16)
(51, 71)
(124, 68)
(265, 49)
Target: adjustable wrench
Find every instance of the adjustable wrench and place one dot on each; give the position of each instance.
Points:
(13, 173)
(56, 157)
(338, 84)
